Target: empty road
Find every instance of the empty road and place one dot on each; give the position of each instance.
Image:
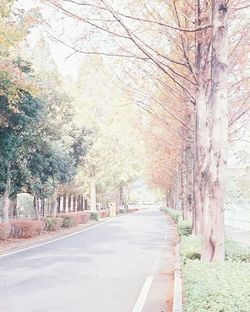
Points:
(116, 266)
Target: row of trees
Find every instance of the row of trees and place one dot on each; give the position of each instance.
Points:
(59, 138)
(195, 57)
(38, 151)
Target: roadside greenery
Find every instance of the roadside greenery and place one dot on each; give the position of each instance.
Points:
(216, 287)
(234, 251)
(94, 216)
(174, 214)
(184, 227)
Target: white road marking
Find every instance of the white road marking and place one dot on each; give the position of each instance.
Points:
(56, 239)
(143, 294)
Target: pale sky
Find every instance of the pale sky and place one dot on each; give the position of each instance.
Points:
(66, 65)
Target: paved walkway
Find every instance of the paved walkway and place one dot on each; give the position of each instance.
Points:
(241, 236)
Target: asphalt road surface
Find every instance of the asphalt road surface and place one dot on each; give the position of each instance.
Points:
(114, 266)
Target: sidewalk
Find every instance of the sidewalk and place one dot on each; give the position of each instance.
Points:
(241, 236)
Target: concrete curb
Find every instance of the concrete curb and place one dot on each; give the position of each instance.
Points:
(177, 300)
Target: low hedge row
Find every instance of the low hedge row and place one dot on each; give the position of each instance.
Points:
(213, 287)
(130, 210)
(103, 214)
(5, 231)
(174, 214)
(31, 228)
(72, 219)
(216, 287)
(184, 227)
(234, 251)
(26, 228)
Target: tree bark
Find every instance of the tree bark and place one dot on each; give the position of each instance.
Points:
(189, 181)
(213, 237)
(201, 138)
(36, 207)
(93, 194)
(54, 203)
(64, 202)
(6, 197)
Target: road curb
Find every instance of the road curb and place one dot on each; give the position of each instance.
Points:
(177, 300)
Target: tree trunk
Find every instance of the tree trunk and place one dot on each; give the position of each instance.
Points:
(93, 194)
(13, 206)
(64, 202)
(189, 182)
(36, 207)
(201, 138)
(69, 202)
(54, 203)
(6, 197)
(213, 238)
(43, 206)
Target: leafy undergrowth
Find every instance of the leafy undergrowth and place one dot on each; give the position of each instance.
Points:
(213, 287)
(234, 251)
(216, 287)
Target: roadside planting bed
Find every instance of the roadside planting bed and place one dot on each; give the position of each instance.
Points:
(31, 228)
(214, 287)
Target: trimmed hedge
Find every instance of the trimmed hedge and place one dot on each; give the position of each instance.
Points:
(190, 248)
(130, 210)
(234, 251)
(5, 231)
(184, 228)
(103, 214)
(174, 214)
(237, 252)
(26, 228)
(74, 218)
(94, 216)
(52, 223)
(216, 287)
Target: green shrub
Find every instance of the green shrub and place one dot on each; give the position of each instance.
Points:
(216, 287)
(236, 252)
(68, 221)
(52, 223)
(94, 216)
(184, 228)
(175, 215)
(190, 248)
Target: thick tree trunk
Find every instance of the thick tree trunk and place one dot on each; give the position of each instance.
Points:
(201, 138)
(189, 182)
(93, 194)
(213, 237)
